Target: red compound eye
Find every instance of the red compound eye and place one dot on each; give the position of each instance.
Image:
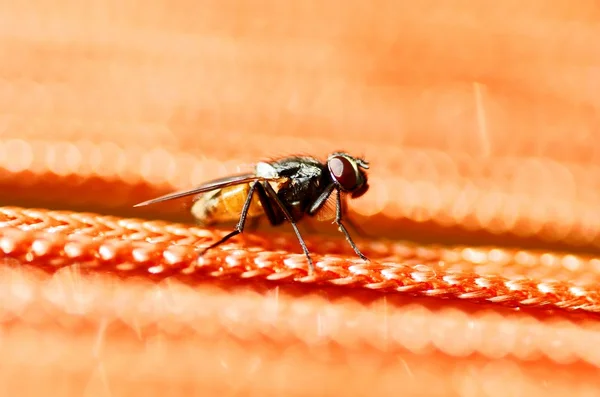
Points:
(343, 172)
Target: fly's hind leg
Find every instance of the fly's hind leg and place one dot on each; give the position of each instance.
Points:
(241, 223)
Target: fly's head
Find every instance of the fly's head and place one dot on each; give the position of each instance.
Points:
(348, 173)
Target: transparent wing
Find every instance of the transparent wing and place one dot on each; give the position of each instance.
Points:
(208, 186)
(327, 211)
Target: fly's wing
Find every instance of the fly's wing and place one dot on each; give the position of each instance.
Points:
(208, 186)
(328, 209)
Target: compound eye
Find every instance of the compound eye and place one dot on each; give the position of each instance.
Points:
(343, 172)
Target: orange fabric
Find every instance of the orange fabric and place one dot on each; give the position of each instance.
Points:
(479, 120)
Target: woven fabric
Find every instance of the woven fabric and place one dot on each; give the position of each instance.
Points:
(479, 120)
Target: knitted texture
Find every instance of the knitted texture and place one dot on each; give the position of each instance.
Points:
(133, 246)
(480, 123)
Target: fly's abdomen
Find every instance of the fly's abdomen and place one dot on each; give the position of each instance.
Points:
(225, 205)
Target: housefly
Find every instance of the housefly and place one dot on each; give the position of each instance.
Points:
(287, 189)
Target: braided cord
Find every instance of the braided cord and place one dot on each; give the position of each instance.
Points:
(56, 239)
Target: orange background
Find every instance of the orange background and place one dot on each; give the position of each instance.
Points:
(479, 119)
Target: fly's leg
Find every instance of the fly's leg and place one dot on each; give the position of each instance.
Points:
(241, 223)
(342, 228)
(273, 196)
(347, 220)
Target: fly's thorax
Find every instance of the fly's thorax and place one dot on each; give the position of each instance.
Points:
(225, 205)
(268, 171)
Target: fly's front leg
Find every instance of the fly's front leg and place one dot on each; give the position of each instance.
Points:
(349, 221)
(241, 223)
(342, 228)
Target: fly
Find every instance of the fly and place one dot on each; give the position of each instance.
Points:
(283, 190)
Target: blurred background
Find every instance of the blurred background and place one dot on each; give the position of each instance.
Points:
(459, 106)
(480, 120)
